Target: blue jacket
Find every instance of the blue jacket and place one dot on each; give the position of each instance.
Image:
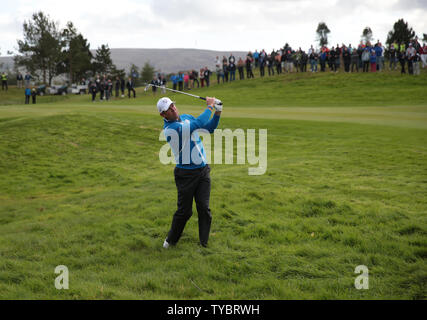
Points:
(373, 58)
(378, 51)
(28, 92)
(174, 79)
(187, 138)
(323, 56)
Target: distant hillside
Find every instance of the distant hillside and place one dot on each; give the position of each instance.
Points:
(164, 60)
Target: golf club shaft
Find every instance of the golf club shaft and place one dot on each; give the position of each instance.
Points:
(188, 94)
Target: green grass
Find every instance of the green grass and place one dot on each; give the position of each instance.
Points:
(81, 185)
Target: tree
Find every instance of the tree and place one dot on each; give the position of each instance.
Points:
(147, 72)
(76, 54)
(121, 73)
(367, 35)
(103, 62)
(41, 47)
(322, 34)
(401, 33)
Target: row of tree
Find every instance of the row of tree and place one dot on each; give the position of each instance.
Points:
(49, 51)
(401, 33)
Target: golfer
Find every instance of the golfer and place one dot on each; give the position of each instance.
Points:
(192, 176)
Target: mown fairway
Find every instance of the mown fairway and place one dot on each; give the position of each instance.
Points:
(81, 185)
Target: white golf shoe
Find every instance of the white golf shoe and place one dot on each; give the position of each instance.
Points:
(165, 244)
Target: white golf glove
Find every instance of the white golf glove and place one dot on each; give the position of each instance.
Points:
(218, 105)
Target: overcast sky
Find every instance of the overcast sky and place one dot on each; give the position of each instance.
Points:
(214, 24)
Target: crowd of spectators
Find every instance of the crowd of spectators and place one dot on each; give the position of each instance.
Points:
(366, 57)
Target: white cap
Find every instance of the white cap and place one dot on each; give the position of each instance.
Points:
(163, 104)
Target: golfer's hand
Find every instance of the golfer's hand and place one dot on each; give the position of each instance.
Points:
(210, 101)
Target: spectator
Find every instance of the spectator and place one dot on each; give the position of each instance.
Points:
(331, 60)
(154, 82)
(402, 60)
(277, 63)
(207, 74)
(393, 57)
(304, 59)
(4, 81)
(102, 88)
(261, 59)
(248, 62)
(424, 55)
(93, 90)
(416, 63)
(337, 58)
(322, 60)
(270, 64)
(174, 80)
(202, 77)
(262, 63)
(365, 59)
(402, 47)
(122, 86)
(283, 61)
(219, 73)
(232, 67)
(382, 56)
(130, 85)
(117, 86)
(217, 62)
(373, 61)
(297, 60)
(347, 59)
(109, 89)
(27, 79)
(195, 78)
(410, 55)
(19, 80)
(27, 95)
(313, 59)
(289, 61)
(256, 57)
(180, 81)
(355, 60)
(360, 50)
(186, 81)
(240, 66)
(34, 95)
(378, 52)
(225, 68)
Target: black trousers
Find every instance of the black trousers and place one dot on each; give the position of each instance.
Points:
(241, 74)
(410, 67)
(131, 90)
(365, 66)
(192, 183)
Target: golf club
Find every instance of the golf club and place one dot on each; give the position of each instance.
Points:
(217, 102)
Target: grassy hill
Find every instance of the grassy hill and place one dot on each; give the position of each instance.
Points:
(81, 185)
